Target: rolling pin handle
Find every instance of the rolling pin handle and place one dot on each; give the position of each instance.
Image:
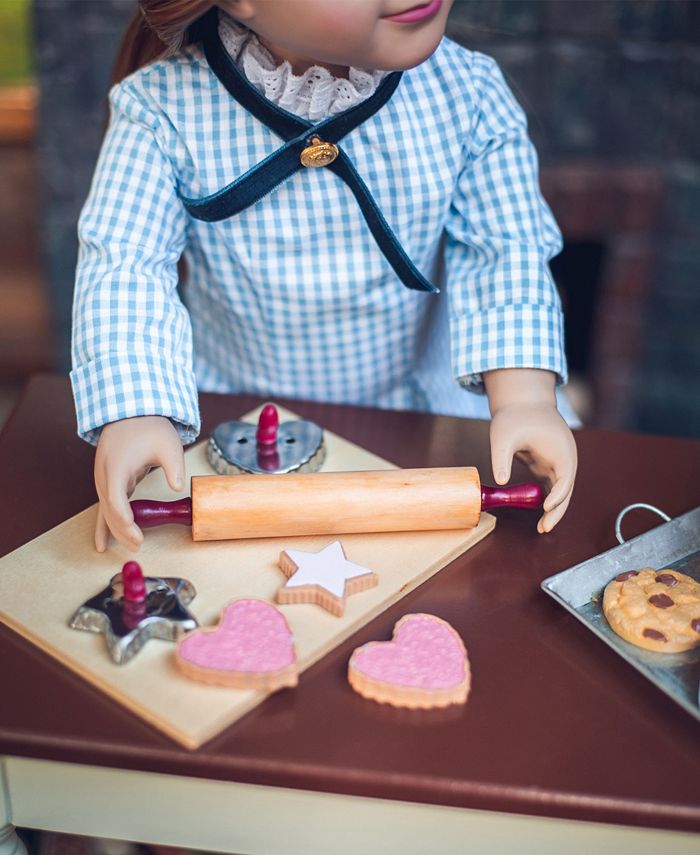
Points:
(530, 495)
(148, 513)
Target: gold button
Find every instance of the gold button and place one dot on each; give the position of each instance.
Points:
(319, 153)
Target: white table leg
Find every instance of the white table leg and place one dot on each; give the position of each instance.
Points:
(10, 844)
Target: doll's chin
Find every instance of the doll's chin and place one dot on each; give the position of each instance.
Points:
(402, 61)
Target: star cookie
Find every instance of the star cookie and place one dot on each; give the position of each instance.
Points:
(325, 578)
(656, 610)
(425, 665)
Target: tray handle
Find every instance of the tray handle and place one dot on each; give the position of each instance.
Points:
(623, 513)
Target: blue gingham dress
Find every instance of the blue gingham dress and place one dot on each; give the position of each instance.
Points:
(292, 297)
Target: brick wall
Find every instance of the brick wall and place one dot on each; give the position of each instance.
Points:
(75, 45)
(612, 91)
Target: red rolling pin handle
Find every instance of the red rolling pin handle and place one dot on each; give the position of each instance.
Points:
(530, 495)
(149, 513)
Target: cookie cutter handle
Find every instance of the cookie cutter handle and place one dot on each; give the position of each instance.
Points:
(623, 513)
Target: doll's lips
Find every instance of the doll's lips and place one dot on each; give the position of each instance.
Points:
(416, 13)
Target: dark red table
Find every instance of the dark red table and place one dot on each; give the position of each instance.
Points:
(558, 726)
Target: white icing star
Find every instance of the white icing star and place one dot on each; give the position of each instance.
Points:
(328, 569)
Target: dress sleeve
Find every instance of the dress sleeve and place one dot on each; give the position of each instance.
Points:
(132, 337)
(505, 311)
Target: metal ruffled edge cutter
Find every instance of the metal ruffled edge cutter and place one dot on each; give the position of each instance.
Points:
(268, 448)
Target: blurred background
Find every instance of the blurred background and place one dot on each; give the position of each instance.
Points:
(612, 91)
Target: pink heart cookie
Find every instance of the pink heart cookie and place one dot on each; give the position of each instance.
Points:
(424, 665)
(251, 648)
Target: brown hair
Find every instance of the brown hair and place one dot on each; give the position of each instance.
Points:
(157, 28)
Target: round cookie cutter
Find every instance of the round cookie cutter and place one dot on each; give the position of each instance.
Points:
(623, 513)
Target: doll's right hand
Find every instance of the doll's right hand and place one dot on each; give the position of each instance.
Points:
(126, 452)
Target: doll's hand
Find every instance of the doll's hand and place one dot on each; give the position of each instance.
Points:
(526, 423)
(126, 452)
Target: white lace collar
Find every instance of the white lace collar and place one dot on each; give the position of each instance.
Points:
(314, 95)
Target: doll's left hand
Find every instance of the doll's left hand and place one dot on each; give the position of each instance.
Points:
(531, 428)
(539, 436)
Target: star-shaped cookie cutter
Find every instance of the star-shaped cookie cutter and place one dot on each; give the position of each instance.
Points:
(134, 608)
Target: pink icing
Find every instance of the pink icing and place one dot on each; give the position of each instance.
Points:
(252, 636)
(425, 653)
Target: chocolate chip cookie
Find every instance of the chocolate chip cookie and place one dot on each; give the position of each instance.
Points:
(655, 609)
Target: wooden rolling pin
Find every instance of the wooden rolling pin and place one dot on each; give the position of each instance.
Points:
(227, 507)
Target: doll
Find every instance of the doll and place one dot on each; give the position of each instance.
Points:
(306, 284)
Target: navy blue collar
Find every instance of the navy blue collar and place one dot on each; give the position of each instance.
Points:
(304, 141)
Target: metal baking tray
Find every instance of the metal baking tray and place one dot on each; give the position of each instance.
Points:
(674, 544)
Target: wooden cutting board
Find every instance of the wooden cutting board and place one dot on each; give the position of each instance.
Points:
(43, 582)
